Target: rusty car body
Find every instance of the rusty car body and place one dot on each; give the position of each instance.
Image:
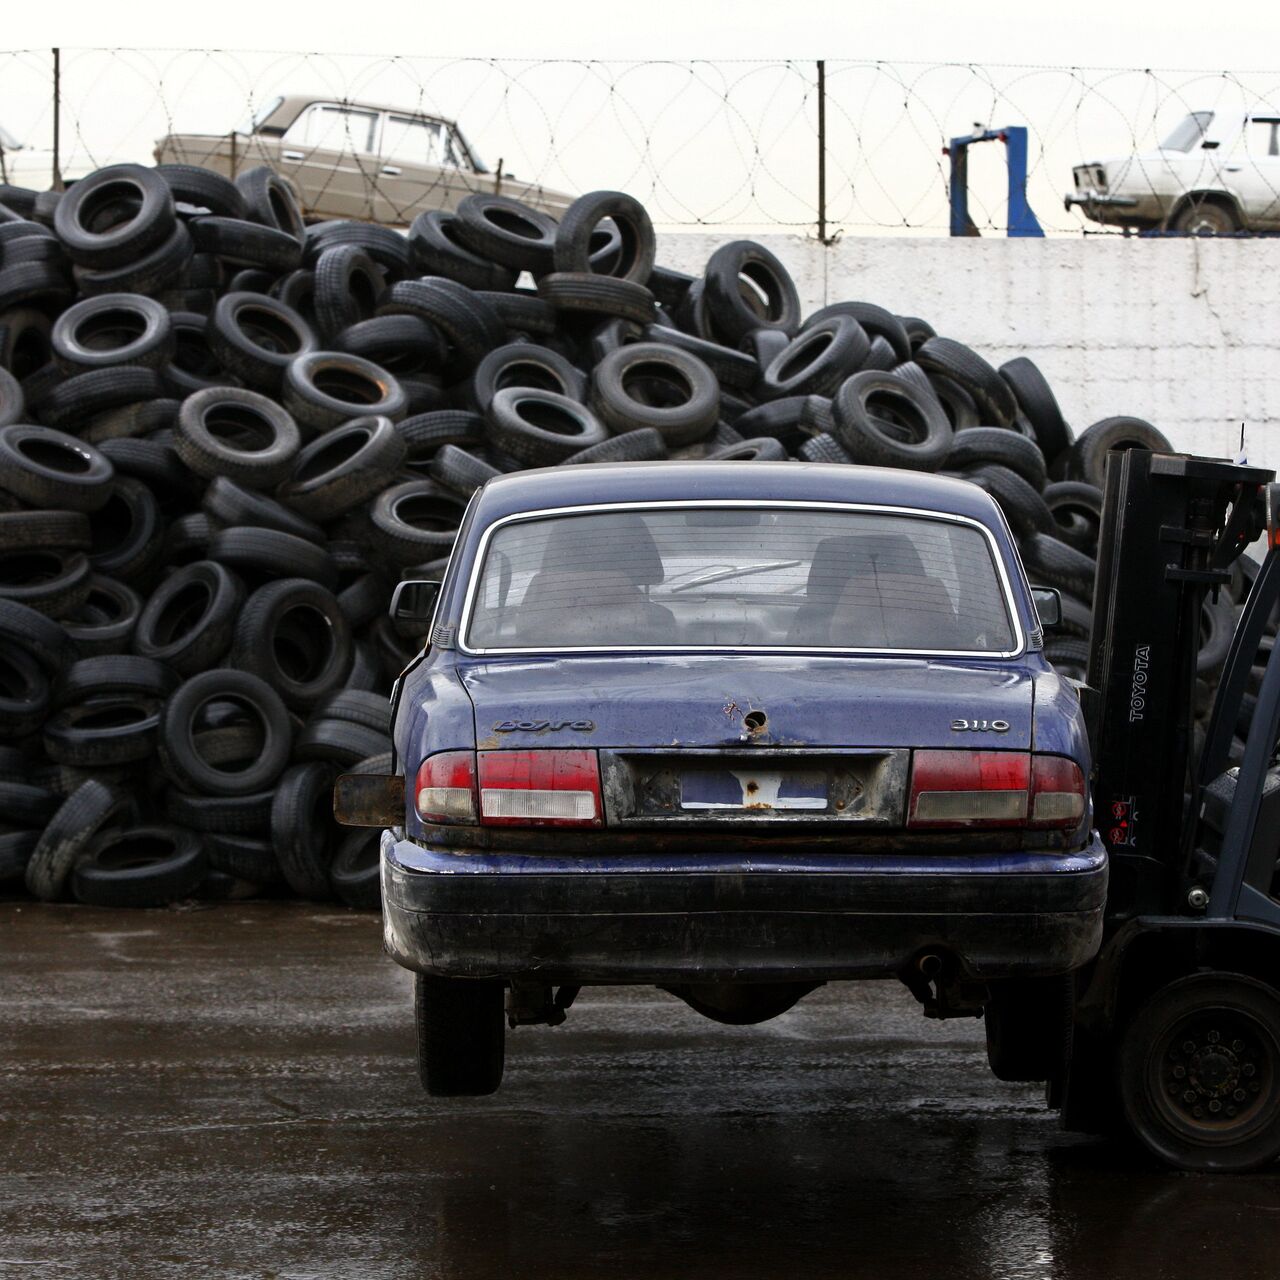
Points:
(736, 730)
(357, 159)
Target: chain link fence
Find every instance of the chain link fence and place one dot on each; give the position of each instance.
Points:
(841, 147)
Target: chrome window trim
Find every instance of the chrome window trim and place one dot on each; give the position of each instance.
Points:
(1002, 573)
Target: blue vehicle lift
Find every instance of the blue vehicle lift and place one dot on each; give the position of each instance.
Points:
(1021, 221)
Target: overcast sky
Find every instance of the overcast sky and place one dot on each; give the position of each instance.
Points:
(1172, 33)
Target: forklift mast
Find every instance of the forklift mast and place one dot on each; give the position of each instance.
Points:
(1172, 526)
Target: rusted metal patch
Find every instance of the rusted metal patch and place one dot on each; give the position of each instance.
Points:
(369, 799)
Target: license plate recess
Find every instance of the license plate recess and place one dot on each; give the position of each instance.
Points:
(861, 785)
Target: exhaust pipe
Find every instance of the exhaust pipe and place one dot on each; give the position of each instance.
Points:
(930, 964)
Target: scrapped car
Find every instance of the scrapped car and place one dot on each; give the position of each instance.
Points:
(350, 159)
(1218, 172)
(731, 729)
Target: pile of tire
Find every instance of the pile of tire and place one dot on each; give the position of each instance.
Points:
(226, 434)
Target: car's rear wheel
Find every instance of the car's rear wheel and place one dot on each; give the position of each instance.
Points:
(1206, 218)
(1028, 1026)
(461, 1027)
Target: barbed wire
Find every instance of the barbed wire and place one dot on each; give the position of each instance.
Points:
(728, 145)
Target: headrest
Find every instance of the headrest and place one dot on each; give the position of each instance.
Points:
(897, 610)
(584, 609)
(837, 559)
(576, 590)
(619, 542)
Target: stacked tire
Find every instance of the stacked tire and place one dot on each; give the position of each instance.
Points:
(226, 434)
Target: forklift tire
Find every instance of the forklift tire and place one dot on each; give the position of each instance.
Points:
(461, 1035)
(1199, 1073)
(1028, 1026)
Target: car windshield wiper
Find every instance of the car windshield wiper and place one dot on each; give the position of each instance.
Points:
(734, 571)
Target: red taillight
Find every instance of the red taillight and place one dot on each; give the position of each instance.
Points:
(1057, 792)
(969, 788)
(540, 789)
(445, 790)
(994, 789)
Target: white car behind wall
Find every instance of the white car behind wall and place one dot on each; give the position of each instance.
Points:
(1218, 172)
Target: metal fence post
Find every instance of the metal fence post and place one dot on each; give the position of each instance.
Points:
(56, 176)
(235, 157)
(822, 151)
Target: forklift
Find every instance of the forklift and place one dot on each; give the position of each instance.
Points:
(1173, 1030)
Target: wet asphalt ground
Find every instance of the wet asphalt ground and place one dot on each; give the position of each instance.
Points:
(231, 1092)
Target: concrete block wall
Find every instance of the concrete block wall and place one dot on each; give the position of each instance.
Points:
(1184, 333)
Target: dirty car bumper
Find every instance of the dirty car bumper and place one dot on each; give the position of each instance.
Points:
(721, 918)
(1109, 207)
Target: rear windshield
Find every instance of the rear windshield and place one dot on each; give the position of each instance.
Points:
(718, 577)
(1189, 131)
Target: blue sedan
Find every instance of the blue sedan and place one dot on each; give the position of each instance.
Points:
(734, 730)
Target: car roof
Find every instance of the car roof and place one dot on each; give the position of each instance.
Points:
(602, 483)
(291, 105)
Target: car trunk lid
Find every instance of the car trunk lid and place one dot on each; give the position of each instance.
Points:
(704, 739)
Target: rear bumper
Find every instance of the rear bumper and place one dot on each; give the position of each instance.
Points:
(1113, 208)
(719, 918)
(1098, 199)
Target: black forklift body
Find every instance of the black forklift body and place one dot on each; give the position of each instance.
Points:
(1172, 526)
(1175, 1024)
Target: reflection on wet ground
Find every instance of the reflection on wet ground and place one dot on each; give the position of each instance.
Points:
(231, 1093)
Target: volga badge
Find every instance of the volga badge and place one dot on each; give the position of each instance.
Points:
(541, 726)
